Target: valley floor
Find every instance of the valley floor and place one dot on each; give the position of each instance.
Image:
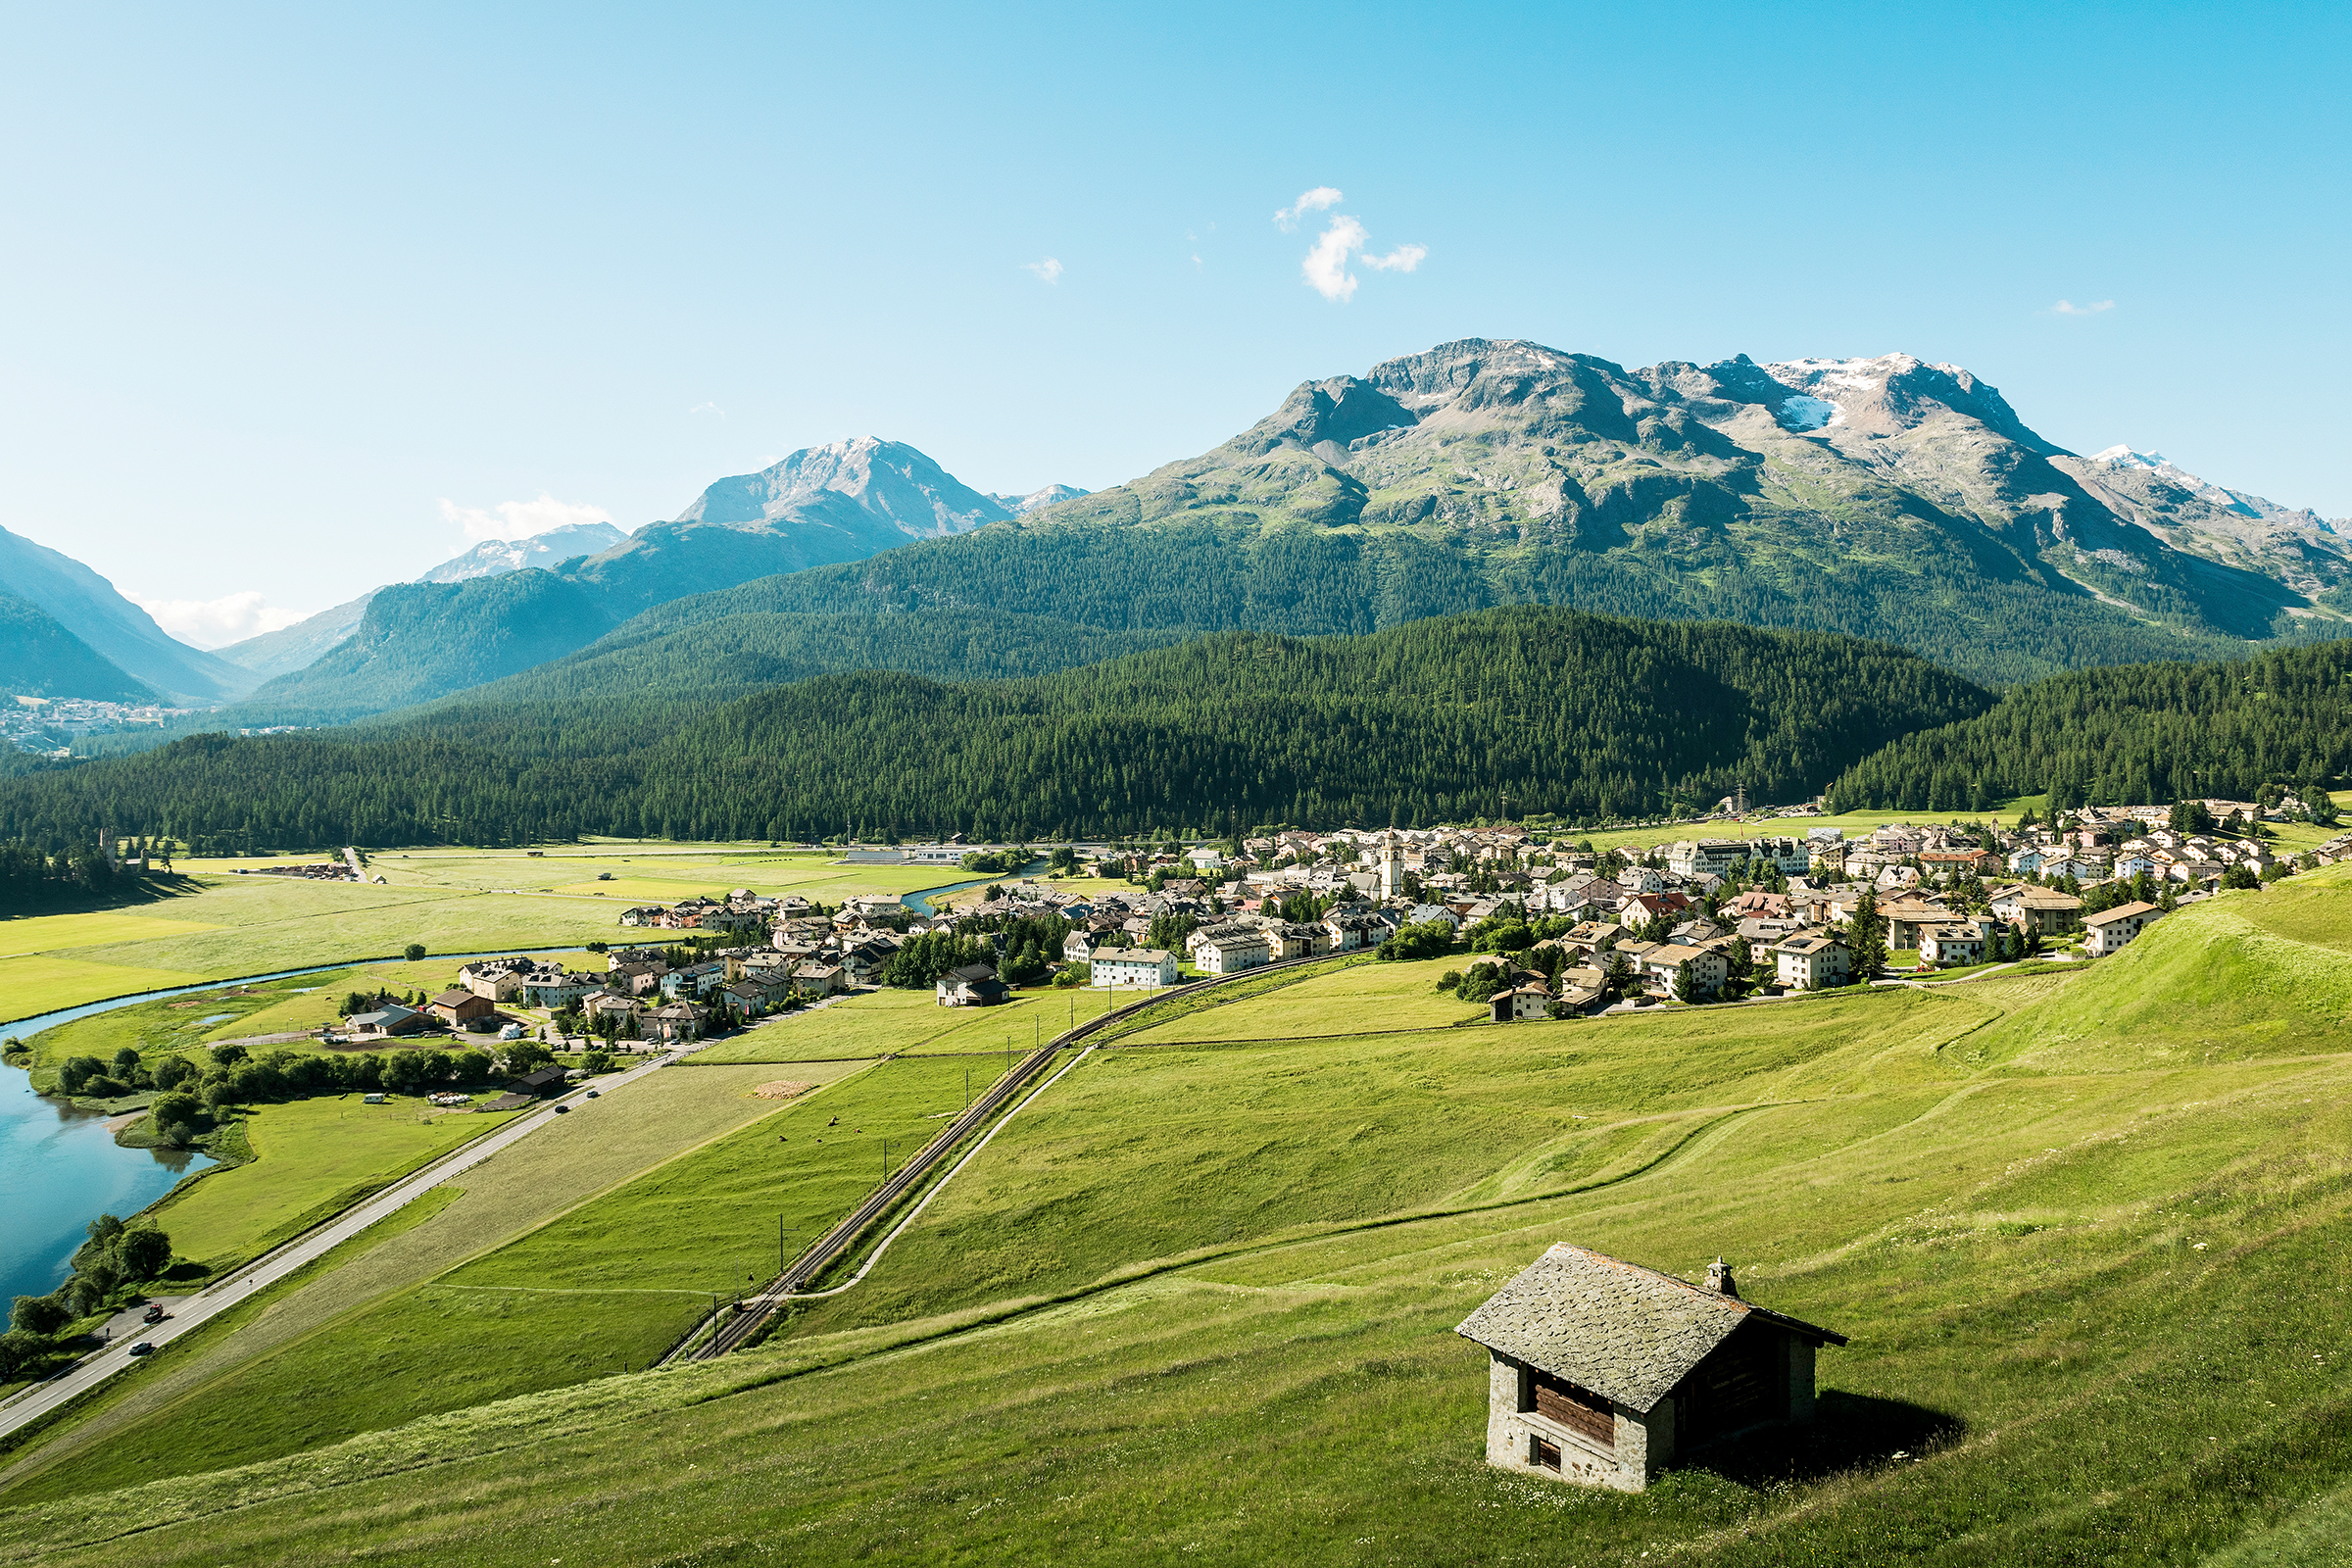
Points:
(2086, 1229)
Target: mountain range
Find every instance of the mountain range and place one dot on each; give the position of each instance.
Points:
(1888, 498)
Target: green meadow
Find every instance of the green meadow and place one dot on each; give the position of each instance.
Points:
(611, 1282)
(452, 901)
(312, 1160)
(2086, 1227)
(882, 1023)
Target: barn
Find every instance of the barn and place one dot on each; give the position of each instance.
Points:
(1603, 1372)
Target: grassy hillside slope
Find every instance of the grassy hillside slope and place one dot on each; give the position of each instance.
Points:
(1196, 1304)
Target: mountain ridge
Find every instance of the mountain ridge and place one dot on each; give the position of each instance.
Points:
(88, 606)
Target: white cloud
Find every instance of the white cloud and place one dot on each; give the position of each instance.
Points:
(708, 408)
(1321, 198)
(520, 519)
(1047, 270)
(217, 622)
(2070, 308)
(1326, 265)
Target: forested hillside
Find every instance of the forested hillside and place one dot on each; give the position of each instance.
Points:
(714, 646)
(1526, 709)
(2136, 735)
(39, 657)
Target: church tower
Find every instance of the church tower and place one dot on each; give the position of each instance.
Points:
(1392, 864)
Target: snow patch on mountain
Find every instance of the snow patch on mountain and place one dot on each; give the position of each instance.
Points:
(1802, 411)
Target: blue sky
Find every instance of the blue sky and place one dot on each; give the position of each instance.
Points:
(298, 295)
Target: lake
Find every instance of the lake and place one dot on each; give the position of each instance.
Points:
(61, 1169)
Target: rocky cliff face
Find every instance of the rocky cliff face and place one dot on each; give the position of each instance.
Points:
(2295, 545)
(1510, 445)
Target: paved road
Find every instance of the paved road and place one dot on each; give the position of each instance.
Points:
(93, 1370)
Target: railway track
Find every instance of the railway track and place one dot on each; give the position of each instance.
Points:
(739, 1323)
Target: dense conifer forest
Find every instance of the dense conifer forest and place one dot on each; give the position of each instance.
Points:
(1523, 709)
(2134, 735)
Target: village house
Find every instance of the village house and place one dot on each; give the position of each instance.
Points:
(1521, 1002)
(2118, 927)
(553, 990)
(1231, 951)
(1952, 944)
(820, 979)
(1906, 918)
(678, 1022)
(2038, 909)
(621, 1009)
(1812, 961)
(1660, 964)
(974, 984)
(1130, 968)
(1604, 1372)
(637, 979)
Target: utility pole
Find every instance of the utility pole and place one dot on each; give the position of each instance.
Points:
(781, 1259)
(968, 1088)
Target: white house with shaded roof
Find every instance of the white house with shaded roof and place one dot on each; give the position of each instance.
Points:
(1601, 1371)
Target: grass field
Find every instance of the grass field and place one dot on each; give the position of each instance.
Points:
(883, 1022)
(2087, 1228)
(656, 872)
(1355, 999)
(240, 925)
(46, 981)
(654, 1119)
(312, 1158)
(188, 1025)
(614, 1281)
(27, 934)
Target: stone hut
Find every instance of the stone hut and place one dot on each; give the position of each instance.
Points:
(1602, 1371)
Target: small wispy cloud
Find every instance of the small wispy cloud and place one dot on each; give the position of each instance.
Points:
(708, 408)
(1320, 199)
(520, 519)
(217, 622)
(1325, 268)
(1047, 270)
(2070, 308)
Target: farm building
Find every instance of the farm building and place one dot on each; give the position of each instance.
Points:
(1601, 1371)
(976, 985)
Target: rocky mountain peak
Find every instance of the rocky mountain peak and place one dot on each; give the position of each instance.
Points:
(1891, 393)
(495, 557)
(888, 480)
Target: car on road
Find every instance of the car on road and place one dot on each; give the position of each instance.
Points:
(154, 1314)
(142, 1349)
(592, 1094)
(562, 1111)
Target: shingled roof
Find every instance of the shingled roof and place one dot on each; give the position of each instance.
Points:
(1619, 1329)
